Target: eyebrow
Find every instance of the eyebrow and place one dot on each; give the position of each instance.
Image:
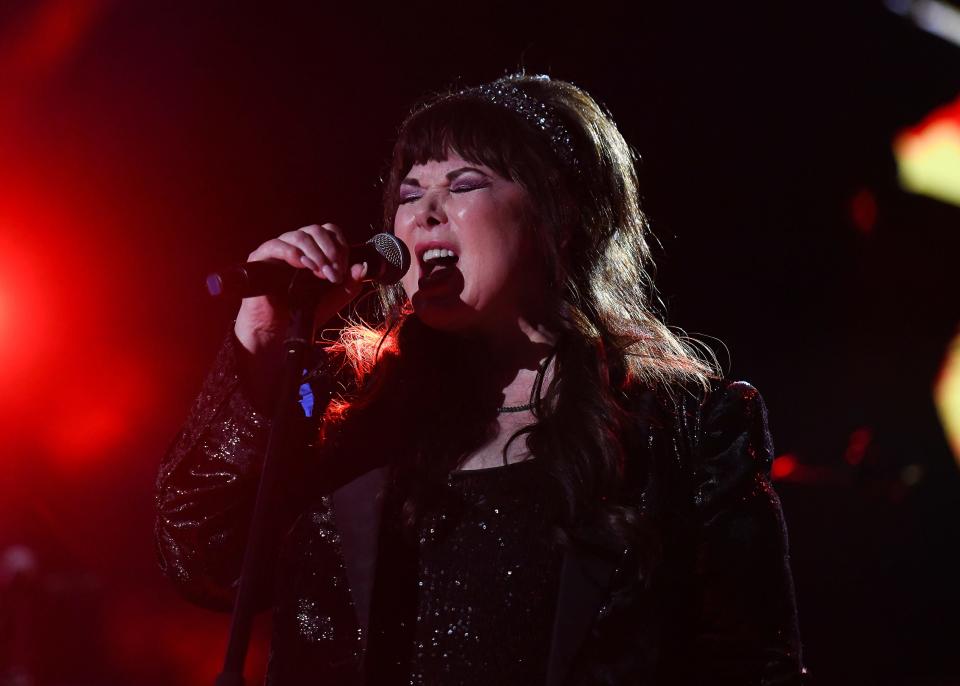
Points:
(409, 181)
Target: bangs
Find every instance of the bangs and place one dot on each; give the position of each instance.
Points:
(480, 132)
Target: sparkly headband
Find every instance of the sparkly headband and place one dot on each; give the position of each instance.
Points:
(538, 114)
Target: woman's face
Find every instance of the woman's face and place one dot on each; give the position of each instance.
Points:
(474, 266)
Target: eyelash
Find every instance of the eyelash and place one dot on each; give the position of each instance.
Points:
(466, 189)
(459, 189)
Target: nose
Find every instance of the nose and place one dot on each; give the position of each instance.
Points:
(431, 211)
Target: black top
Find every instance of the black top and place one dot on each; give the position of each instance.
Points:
(488, 574)
(718, 609)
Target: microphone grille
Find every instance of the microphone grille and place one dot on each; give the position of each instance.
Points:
(395, 255)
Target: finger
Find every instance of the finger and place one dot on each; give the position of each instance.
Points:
(337, 232)
(331, 240)
(358, 271)
(351, 285)
(278, 250)
(317, 258)
(334, 299)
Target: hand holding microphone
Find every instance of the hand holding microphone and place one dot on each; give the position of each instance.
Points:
(339, 270)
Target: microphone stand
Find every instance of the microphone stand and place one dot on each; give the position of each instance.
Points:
(261, 542)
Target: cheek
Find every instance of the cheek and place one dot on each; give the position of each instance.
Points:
(402, 224)
(401, 229)
(498, 263)
(409, 281)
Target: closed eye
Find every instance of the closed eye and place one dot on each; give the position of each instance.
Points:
(409, 197)
(464, 188)
(468, 188)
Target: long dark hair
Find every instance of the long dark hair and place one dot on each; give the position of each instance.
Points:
(611, 341)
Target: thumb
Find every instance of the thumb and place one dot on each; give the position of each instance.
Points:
(358, 271)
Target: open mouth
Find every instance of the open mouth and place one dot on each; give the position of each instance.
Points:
(436, 260)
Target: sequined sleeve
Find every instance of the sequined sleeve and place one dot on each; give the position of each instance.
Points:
(207, 485)
(746, 632)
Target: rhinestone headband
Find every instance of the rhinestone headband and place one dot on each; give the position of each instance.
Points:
(536, 113)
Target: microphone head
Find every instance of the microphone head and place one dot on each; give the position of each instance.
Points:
(396, 257)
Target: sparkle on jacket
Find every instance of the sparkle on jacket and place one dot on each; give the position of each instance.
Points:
(719, 610)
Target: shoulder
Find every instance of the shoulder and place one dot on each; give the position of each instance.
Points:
(732, 411)
(700, 415)
(709, 418)
(718, 438)
(734, 450)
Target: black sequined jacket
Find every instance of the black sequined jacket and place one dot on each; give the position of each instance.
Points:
(720, 609)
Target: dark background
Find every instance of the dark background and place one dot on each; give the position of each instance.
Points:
(143, 144)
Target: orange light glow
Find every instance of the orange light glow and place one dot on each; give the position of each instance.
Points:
(928, 155)
(946, 396)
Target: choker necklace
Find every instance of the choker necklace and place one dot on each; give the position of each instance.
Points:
(541, 368)
(514, 408)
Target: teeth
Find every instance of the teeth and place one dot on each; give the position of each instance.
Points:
(437, 253)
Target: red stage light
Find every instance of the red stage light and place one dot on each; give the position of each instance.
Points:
(25, 316)
(857, 446)
(5, 314)
(783, 466)
(188, 642)
(48, 36)
(99, 408)
(863, 210)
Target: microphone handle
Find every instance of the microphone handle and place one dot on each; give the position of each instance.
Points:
(273, 278)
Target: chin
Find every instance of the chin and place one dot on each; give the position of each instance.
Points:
(448, 313)
(452, 319)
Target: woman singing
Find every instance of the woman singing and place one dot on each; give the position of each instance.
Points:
(521, 475)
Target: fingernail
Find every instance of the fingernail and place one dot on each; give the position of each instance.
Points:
(309, 264)
(329, 273)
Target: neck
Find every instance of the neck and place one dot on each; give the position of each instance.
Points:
(519, 355)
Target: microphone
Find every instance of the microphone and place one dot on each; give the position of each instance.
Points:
(386, 256)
